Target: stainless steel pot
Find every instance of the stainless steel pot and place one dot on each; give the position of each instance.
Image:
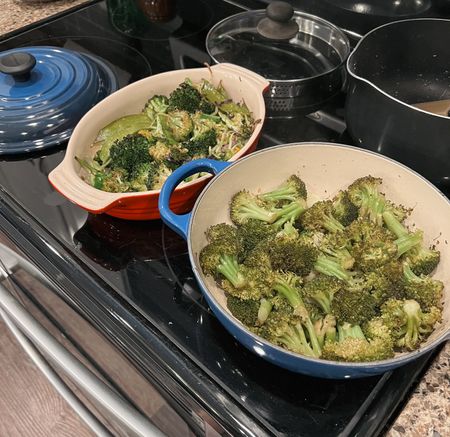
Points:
(301, 55)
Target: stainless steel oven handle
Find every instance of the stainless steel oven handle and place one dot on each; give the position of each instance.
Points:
(121, 410)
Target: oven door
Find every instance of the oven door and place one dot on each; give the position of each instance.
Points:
(105, 389)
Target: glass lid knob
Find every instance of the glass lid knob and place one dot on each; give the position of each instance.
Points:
(278, 23)
(18, 64)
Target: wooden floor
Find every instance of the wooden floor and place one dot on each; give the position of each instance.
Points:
(29, 405)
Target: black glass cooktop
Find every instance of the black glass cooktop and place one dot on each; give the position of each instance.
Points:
(147, 265)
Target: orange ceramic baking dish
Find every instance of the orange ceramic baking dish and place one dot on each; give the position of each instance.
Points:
(240, 83)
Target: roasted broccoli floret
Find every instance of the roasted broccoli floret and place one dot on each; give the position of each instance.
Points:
(249, 312)
(353, 346)
(325, 329)
(200, 144)
(289, 212)
(386, 282)
(156, 105)
(330, 267)
(259, 257)
(142, 177)
(291, 255)
(373, 245)
(130, 152)
(365, 194)
(179, 124)
(407, 323)
(293, 188)
(178, 156)
(245, 206)
(336, 247)
(321, 290)
(257, 283)
(265, 307)
(159, 151)
(116, 181)
(344, 209)
(353, 304)
(254, 232)
(116, 131)
(287, 286)
(185, 98)
(222, 232)
(218, 260)
(206, 107)
(246, 311)
(422, 260)
(425, 290)
(292, 336)
(320, 217)
(227, 236)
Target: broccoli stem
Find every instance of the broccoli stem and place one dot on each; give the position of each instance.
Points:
(394, 225)
(289, 293)
(253, 211)
(289, 230)
(294, 299)
(294, 341)
(341, 256)
(264, 310)
(229, 268)
(346, 330)
(323, 300)
(413, 314)
(315, 344)
(330, 267)
(406, 242)
(410, 276)
(307, 349)
(375, 207)
(332, 225)
(289, 213)
(282, 193)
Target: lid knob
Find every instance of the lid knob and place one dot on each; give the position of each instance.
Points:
(278, 23)
(18, 64)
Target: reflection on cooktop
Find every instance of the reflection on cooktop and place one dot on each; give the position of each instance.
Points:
(129, 18)
(114, 243)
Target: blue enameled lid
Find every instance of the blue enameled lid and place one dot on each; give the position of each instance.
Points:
(44, 91)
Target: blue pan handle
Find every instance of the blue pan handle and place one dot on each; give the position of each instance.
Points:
(180, 223)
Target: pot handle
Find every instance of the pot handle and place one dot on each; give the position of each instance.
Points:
(180, 222)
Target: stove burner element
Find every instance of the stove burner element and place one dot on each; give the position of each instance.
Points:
(128, 19)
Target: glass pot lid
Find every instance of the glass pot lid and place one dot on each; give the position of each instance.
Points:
(44, 91)
(279, 43)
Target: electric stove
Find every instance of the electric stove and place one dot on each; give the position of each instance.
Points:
(134, 279)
